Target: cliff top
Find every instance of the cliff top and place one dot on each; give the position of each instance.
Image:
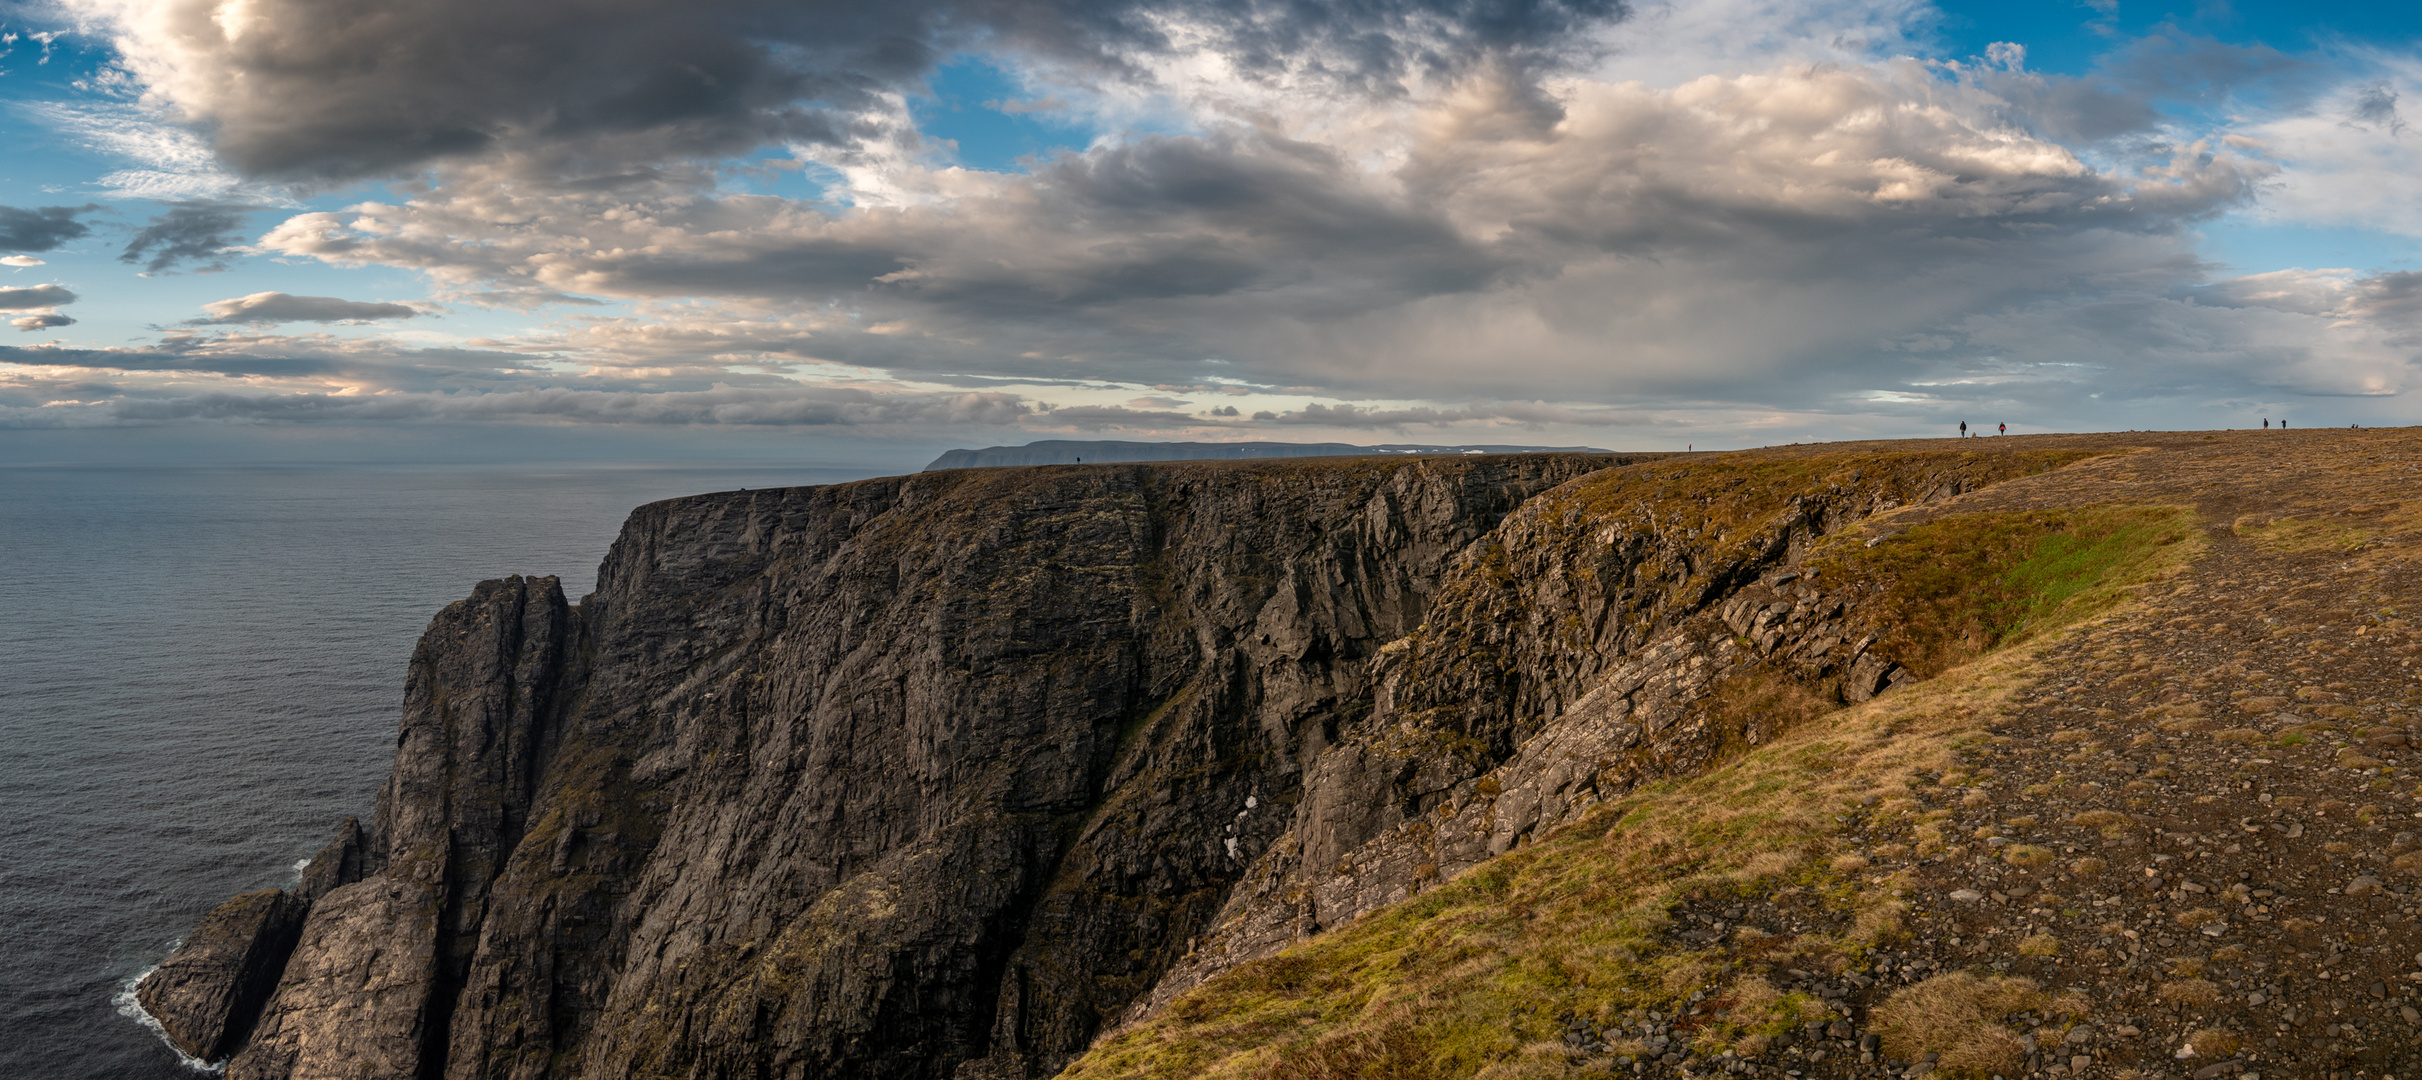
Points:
(2160, 827)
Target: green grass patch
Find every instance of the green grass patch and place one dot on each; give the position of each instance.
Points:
(1959, 585)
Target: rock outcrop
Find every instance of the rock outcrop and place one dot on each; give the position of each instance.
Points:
(208, 994)
(911, 777)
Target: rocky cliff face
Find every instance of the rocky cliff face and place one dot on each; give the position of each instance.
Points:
(941, 776)
(913, 777)
(1627, 626)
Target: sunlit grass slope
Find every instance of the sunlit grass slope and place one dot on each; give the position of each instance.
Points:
(1476, 977)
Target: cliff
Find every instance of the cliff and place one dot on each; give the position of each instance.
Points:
(871, 779)
(947, 775)
(2138, 803)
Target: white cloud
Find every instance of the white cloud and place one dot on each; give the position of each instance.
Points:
(174, 162)
(2350, 160)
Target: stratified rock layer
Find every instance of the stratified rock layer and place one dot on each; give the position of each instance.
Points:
(906, 777)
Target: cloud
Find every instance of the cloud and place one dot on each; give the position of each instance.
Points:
(171, 162)
(1399, 214)
(808, 407)
(1345, 416)
(33, 297)
(41, 229)
(1108, 417)
(2346, 157)
(335, 89)
(20, 260)
(1760, 234)
(189, 232)
(363, 364)
(2376, 105)
(44, 321)
(264, 308)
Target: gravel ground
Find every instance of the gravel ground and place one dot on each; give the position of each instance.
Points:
(2196, 829)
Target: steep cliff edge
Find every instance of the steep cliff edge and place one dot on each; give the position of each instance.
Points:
(1628, 626)
(944, 775)
(906, 777)
(2151, 815)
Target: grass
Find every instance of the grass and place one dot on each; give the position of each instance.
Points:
(1646, 545)
(1475, 977)
(2345, 530)
(1965, 583)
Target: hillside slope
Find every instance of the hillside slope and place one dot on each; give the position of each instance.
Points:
(2156, 826)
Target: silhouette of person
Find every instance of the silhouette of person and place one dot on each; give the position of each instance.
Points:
(2005, 429)
(1963, 429)
(2266, 423)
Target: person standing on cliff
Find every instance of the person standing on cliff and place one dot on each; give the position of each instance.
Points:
(1963, 429)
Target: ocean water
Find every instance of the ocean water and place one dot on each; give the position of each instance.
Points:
(200, 672)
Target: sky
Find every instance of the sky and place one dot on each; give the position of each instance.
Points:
(861, 232)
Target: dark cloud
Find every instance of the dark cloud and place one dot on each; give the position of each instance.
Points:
(2376, 105)
(41, 228)
(2395, 295)
(187, 232)
(338, 89)
(2174, 65)
(524, 299)
(33, 297)
(2089, 109)
(265, 308)
(1098, 417)
(45, 321)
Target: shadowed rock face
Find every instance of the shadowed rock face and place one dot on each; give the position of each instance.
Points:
(207, 996)
(905, 777)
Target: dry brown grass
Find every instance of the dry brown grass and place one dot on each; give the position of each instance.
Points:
(2039, 945)
(2190, 993)
(2028, 855)
(1957, 1015)
(1382, 1051)
(2215, 1042)
(2100, 819)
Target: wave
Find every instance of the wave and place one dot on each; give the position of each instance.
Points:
(131, 1007)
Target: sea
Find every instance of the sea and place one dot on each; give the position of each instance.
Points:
(201, 668)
